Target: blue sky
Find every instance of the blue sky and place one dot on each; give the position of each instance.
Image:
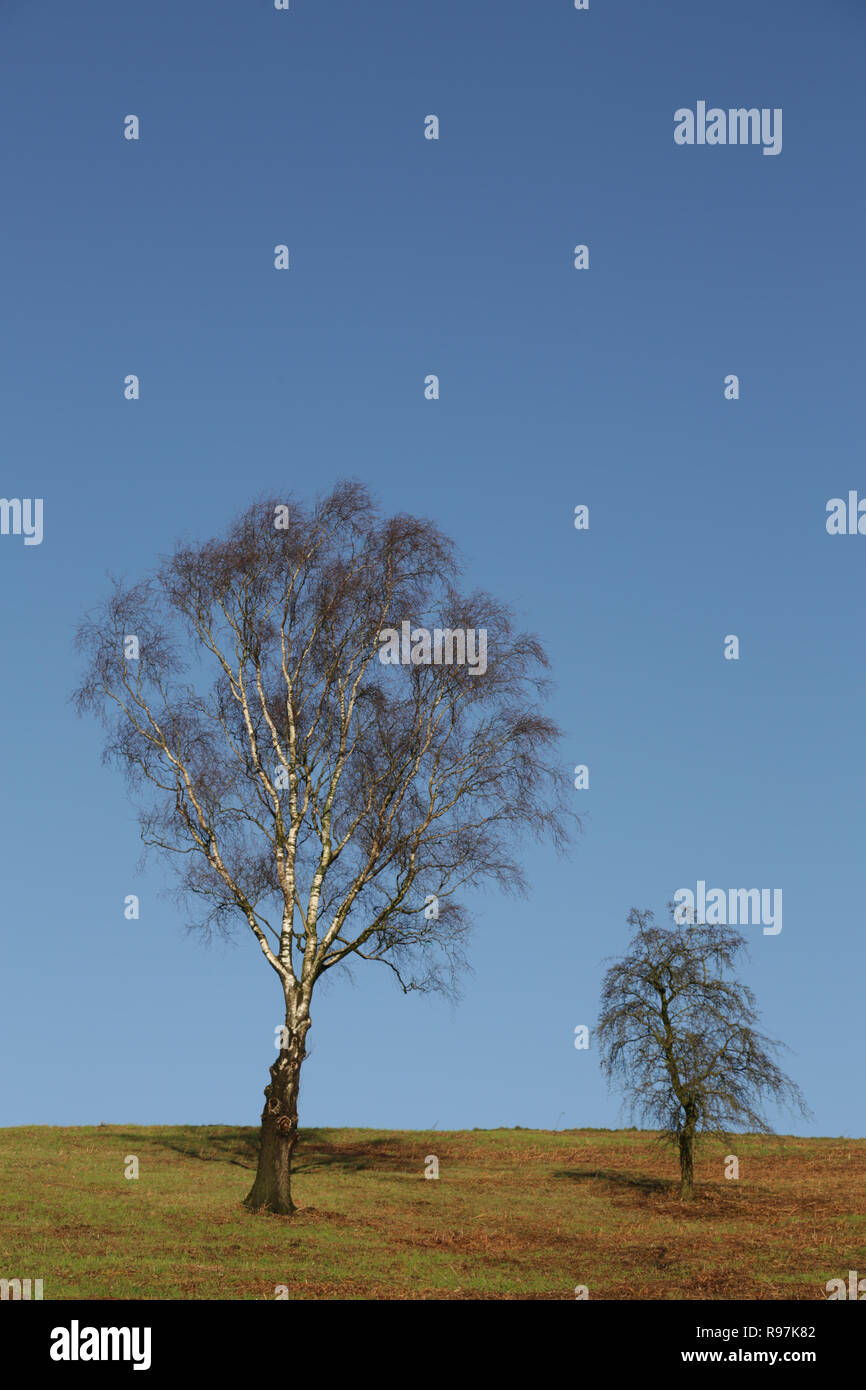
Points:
(558, 387)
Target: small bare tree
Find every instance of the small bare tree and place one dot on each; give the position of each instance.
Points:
(679, 1033)
(335, 802)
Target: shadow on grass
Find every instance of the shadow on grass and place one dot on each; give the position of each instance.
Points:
(632, 1182)
(315, 1150)
(240, 1146)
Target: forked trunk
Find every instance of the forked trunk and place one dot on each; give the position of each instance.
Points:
(272, 1189)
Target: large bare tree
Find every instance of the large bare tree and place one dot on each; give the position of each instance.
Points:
(335, 802)
(679, 1032)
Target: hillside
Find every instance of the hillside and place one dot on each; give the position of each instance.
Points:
(519, 1214)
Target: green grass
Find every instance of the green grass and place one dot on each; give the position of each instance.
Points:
(514, 1214)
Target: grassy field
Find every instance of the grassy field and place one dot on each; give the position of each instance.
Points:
(520, 1214)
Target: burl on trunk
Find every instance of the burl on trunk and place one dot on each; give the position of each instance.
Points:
(272, 1189)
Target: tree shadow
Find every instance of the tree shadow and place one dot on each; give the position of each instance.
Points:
(239, 1146)
(315, 1151)
(632, 1182)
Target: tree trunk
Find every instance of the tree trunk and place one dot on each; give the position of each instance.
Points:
(687, 1155)
(272, 1189)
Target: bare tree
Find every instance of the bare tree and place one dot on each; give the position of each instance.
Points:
(334, 802)
(679, 1033)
